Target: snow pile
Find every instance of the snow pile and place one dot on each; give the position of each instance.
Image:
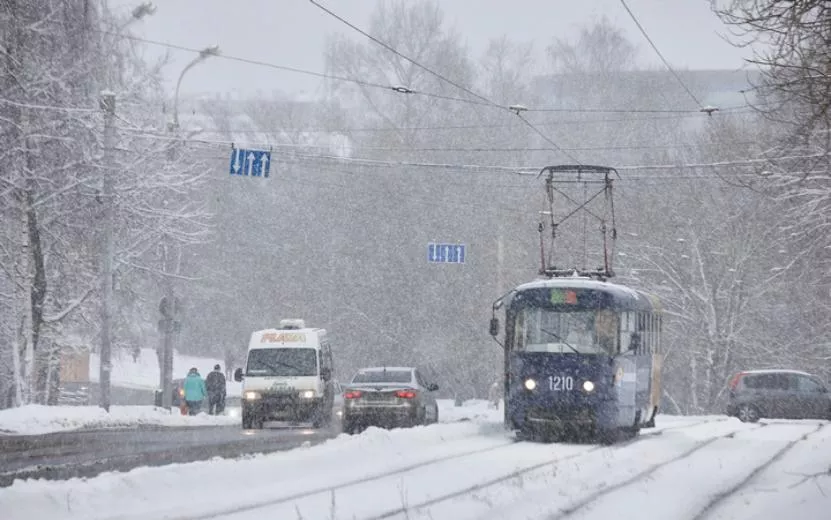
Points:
(157, 492)
(143, 373)
(37, 419)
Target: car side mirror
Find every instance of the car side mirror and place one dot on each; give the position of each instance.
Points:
(432, 387)
(325, 374)
(494, 326)
(238, 375)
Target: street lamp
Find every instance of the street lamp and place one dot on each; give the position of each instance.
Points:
(139, 12)
(143, 9)
(170, 307)
(204, 54)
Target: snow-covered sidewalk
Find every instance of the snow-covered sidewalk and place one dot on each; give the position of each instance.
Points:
(37, 419)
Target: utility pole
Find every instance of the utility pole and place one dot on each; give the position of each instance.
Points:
(107, 104)
(169, 306)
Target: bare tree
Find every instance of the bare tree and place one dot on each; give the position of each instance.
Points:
(57, 57)
(790, 47)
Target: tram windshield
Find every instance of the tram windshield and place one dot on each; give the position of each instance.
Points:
(578, 332)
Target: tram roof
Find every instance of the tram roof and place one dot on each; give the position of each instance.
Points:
(622, 295)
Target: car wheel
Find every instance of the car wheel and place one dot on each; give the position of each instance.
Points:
(251, 421)
(348, 427)
(317, 419)
(748, 413)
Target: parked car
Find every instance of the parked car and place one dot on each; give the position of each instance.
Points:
(388, 396)
(777, 394)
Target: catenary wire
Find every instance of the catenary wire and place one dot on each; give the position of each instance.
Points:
(442, 77)
(661, 56)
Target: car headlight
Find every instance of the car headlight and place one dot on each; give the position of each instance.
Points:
(530, 384)
(307, 394)
(588, 386)
(251, 396)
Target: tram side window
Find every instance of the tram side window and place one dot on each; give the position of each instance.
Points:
(656, 342)
(627, 327)
(643, 333)
(653, 333)
(520, 332)
(661, 333)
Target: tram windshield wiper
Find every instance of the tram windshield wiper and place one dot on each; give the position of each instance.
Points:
(564, 342)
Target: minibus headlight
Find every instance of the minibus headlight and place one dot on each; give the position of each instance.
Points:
(307, 394)
(530, 384)
(251, 396)
(588, 386)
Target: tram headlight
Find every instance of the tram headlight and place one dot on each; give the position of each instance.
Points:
(530, 384)
(588, 386)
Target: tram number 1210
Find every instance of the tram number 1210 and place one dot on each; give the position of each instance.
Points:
(560, 383)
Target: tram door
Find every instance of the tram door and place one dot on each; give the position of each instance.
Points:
(626, 377)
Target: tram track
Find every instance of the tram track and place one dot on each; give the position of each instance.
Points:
(328, 490)
(721, 497)
(587, 500)
(529, 469)
(325, 490)
(597, 495)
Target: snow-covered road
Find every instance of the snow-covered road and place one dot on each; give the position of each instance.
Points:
(687, 468)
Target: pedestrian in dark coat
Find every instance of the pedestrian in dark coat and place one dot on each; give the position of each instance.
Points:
(215, 383)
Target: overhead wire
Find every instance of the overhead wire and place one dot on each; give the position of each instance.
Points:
(481, 100)
(443, 78)
(431, 128)
(660, 55)
(516, 169)
(480, 149)
(403, 56)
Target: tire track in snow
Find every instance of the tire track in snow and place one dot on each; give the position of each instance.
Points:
(721, 497)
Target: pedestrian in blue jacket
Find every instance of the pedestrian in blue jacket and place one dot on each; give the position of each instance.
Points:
(195, 391)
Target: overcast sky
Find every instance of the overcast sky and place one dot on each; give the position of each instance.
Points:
(293, 32)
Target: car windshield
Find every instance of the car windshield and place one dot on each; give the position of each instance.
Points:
(282, 362)
(383, 376)
(581, 332)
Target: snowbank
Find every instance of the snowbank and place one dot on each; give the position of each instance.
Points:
(157, 492)
(38, 419)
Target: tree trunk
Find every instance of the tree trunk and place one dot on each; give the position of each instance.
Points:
(38, 283)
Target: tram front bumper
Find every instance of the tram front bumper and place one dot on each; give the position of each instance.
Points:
(582, 414)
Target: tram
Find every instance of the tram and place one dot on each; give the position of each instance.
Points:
(582, 355)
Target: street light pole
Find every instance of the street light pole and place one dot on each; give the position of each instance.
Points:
(107, 104)
(169, 307)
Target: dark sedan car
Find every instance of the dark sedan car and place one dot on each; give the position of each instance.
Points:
(388, 396)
